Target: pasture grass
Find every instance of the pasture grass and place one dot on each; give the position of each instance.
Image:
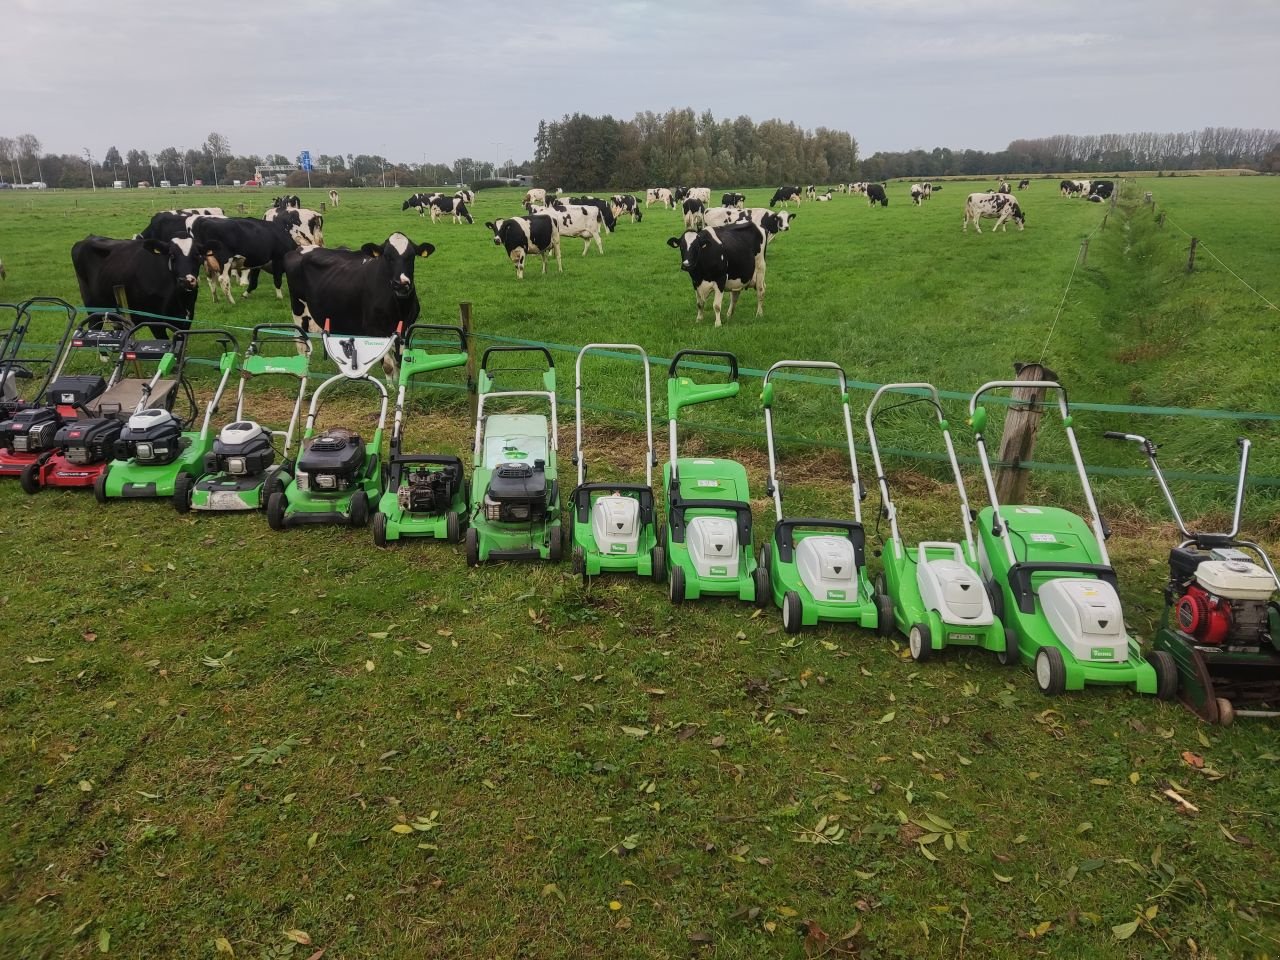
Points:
(211, 731)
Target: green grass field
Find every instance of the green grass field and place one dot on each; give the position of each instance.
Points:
(218, 739)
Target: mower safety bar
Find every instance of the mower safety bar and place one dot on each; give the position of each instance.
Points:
(225, 337)
(407, 339)
(281, 331)
(1022, 384)
(443, 460)
(720, 354)
(1020, 575)
(581, 498)
(784, 533)
(678, 507)
(484, 357)
(808, 365)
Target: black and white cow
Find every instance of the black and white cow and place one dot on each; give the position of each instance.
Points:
(534, 196)
(607, 216)
(1070, 188)
(421, 201)
(333, 198)
(1023, 184)
(694, 210)
(699, 193)
(466, 196)
(784, 195)
(577, 220)
(305, 226)
(720, 259)
(917, 193)
(199, 211)
(823, 197)
(156, 276)
(366, 292)
(524, 235)
(238, 243)
(772, 223)
(737, 200)
(810, 191)
(1001, 207)
(1101, 190)
(859, 187)
(625, 203)
(449, 206)
(166, 225)
(1003, 187)
(876, 194)
(659, 195)
(288, 202)
(678, 194)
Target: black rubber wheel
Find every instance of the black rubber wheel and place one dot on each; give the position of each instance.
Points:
(29, 479)
(359, 515)
(658, 559)
(100, 487)
(996, 597)
(766, 555)
(275, 510)
(1166, 673)
(1226, 712)
(580, 564)
(473, 547)
(920, 642)
(675, 585)
(764, 588)
(555, 545)
(885, 625)
(1051, 671)
(183, 485)
(379, 529)
(271, 485)
(1010, 656)
(453, 527)
(792, 612)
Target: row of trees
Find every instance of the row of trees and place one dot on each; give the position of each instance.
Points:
(582, 152)
(23, 161)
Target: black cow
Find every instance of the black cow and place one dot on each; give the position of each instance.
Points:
(1023, 184)
(694, 213)
(366, 292)
(156, 276)
(420, 200)
(876, 194)
(1102, 190)
(606, 210)
(678, 194)
(737, 200)
(165, 226)
(240, 243)
(723, 258)
(522, 235)
(621, 203)
(450, 206)
(785, 195)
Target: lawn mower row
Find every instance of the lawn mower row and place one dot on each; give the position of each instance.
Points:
(1032, 584)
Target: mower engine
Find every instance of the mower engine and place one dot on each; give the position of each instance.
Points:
(75, 391)
(241, 449)
(1224, 602)
(150, 438)
(332, 462)
(30, 431)
(428, 491)
(89, 441)
(517, 493)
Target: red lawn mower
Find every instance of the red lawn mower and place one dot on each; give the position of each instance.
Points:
(30, 417)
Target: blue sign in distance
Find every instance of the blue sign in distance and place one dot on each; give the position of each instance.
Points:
(304, 160)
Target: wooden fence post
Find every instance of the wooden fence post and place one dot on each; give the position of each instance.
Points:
(1018, 441)
(1161, 220)
(323, 207)
(464, 321)
(1104, 221)
(1191, 255)
(1084, 252)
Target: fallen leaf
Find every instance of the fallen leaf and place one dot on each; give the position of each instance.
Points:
(1135, 777)
(380, 635)
(1084, 827)
(369, 665)
(1000, 878)
(311, 840)
(223, 945)
(887, 717)
(700, 937)
(551, 890)
(39, 659)
(104, 941)
(299, 936)
(86, 785)
(1124, 931)
(1204, 741)
(89, 636)
(615, 905)
(1193, 759)
(787, 912)
(717, 742)
(638, 732)
(402, 828)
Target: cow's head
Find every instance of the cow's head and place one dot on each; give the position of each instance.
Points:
(398, 255)
(461, 209)
(685, 244)
(184, 258)
(496, 227)
(783, 220)
(411, 202)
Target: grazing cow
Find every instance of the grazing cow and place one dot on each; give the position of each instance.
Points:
(810, 191)
(625, 203)
(678, 195)
(859, 187)
(694, 210)
(333, 198)
(366, 292)
(917, 193)
(1000, 206)
(422, 201)
(737, 200)
(772, 223)
(577, 220)
(449, 206)
(699, 193)
(523, 235)
(1071, 188)
(659, 195)
(723, 258)
(534, 195)
(785, 195)
(156, 276)
(287, 202)
(606, 210)
(876, 194)
(237, 243)
(305, 226)
(1003, 187)
(1101, 190)
(1023, 184)
(466, 196)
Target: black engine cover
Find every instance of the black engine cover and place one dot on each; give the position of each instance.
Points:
(519, 491)
(30, 430)
(337, 451)
(165, 439)
(75, 389)
(89, 441)
(258, 454)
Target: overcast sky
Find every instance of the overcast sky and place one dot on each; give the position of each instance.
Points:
(419, 79)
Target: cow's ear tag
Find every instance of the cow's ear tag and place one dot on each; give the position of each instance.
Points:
(371, 250)
(426, 250)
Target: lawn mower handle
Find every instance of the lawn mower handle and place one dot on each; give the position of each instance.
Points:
(407, 337)
(722, 354)
(484, 357)
(223, 336)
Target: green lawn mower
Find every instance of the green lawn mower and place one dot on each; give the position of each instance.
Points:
(337, 476)
(1050, 579)
(815, 569)
(243, 468)
(156, 454)
(1221, 622)
(514, 512)
(426, 494)
(613, 526)
(709, 545)
(932, 592)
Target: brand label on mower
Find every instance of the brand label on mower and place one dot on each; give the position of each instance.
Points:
(617, 548)
(835, 595)
(708, 483)
(1027, 510)
(1043, 538)
(962, 636)
(1102, 653)
(719, 571)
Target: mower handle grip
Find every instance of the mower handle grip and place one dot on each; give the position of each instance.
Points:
(222, 336)
(721, 354)
(407, 338)
(484, 357)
